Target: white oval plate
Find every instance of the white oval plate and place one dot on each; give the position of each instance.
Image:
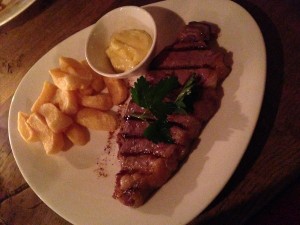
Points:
(12, 9)
(67, 182)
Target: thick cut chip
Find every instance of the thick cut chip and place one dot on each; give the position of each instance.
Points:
(77, 134)
(56, 120)
(26, 132)
(98, 84)
(66, 81)
(52, 142)
(73, 67)
(86, 91)
(117, 88)
(101, 101)
(97, 80)
(68, 144)
(67, 101)
(97, 120)
(45, 96)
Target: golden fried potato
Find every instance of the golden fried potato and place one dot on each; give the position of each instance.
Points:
(117, 88)
(97, 80)
(56, 120)
(100, 101)
(76, 92)
(68, 144)
(26, 132)
(52, 142)
(67, 81)
(86, 65)
(73, 67)
(67, 101)
(86, 91)
(98, 84)
(77, 134)
(97, 120)
(45, 96)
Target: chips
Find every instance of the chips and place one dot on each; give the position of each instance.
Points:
(97, 83)
(97, 119)
(52, 142)
(73, 67)
(67, 101)
(26, 132)
(47, 94)
(117, 88)
(100, 101)
(56, 120)
(64, 111)
(77, 134)
(68, 82)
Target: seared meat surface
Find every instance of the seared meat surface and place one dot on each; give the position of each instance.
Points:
(145, 165)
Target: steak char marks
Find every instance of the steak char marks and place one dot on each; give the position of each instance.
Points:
(145, 165)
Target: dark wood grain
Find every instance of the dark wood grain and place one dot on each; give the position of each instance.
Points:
(272, 160)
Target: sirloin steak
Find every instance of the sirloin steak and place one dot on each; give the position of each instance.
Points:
(145, 165)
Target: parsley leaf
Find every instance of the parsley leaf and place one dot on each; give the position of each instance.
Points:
(185, 96)
(140, 92)
(159, 131)
(151, 97)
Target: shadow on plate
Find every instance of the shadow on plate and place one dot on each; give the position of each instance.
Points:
(266, 120)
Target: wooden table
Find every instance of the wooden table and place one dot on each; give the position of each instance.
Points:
(272, 160)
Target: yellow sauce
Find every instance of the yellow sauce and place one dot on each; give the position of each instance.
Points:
(128, 48)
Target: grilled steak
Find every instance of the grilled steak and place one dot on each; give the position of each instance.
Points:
(145, 165)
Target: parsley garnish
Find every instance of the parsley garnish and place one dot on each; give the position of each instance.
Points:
(186, 96)
(151, 97)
